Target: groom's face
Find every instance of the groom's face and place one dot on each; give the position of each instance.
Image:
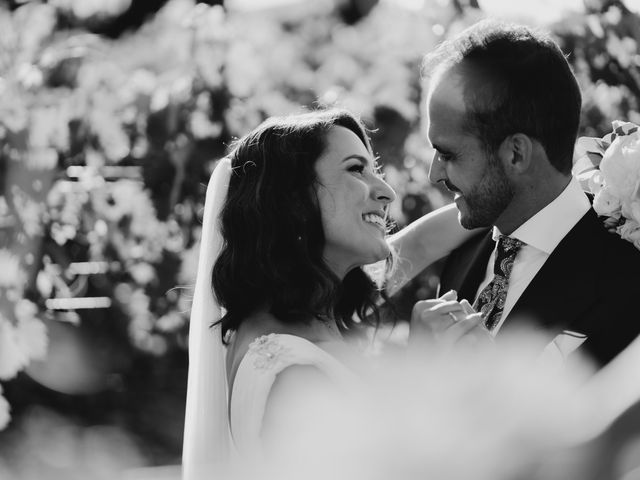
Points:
(476, 177)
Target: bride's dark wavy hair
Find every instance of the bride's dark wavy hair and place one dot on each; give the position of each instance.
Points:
(272, 229)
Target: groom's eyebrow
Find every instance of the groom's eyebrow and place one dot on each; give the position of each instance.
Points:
(442, 150)
(439, 149)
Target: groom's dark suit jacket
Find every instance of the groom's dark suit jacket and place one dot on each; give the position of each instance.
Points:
(590, 284)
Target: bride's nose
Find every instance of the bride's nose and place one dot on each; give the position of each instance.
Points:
(382, 191)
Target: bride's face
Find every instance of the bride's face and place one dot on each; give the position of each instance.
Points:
(353, 200)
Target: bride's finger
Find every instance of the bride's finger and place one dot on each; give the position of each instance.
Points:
(468, 309)
(435, 305)
(423, 317)
(450, 295)
(471, 326)
(448, 307)
(422, 305)
(441, 315)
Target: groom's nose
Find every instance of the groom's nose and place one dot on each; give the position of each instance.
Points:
(437, 171)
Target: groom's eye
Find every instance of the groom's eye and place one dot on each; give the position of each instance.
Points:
(445, 157)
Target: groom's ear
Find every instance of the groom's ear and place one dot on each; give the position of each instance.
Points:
(516, 152)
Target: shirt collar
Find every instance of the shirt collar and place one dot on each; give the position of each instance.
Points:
(549, 226)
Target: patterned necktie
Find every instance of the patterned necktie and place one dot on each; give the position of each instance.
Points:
(491, 300)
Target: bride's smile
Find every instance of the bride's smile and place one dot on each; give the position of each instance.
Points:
(377, 219)
(353, 198)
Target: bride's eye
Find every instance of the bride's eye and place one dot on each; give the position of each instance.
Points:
(357, 168)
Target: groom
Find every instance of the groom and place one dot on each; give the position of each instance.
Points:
(503, 113)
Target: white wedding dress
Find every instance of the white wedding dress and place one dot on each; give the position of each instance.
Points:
(267, 357)
(217, 433)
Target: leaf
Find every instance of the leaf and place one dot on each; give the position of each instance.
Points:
(624, 128)
(608, 139)
(585, 145)
(588, 154)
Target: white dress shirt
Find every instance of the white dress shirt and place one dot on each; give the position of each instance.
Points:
(541, 234)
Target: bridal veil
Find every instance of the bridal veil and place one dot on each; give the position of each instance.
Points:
(207, 445)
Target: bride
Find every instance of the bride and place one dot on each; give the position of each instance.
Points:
(291, 217)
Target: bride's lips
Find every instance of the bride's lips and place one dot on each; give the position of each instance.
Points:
(376, 218)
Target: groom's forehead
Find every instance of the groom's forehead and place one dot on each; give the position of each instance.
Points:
(446, 114)
(446, 109)
(447, 93)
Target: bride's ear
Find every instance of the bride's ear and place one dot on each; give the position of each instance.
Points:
(516, 153)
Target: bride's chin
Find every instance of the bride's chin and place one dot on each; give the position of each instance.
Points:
(385, 251)
(369, 257)
(382, 253)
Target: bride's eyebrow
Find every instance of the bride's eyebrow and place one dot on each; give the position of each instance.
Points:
(366, 161)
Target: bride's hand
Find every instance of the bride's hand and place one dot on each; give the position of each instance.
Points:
(446, 323)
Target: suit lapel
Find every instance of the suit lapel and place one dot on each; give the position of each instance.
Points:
(476, 268)
(565, 285)
(466, 268)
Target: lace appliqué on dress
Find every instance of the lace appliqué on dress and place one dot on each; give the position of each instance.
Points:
(267, 351)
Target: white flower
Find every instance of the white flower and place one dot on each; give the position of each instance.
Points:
(142, 273)
(631, 206)
(29, 211)
(633, 212)
(170, 322)
(607, 204)
(31, 333)
(5, 410)
(84, 9)
(111, 135)
(48, 127)
(9, 268)
(36, 23)
(25, 309)
(595, 182)
(620, 165)
(615, 180)
(12, 358)
(41, 159)
(15, 115)
(630, 231)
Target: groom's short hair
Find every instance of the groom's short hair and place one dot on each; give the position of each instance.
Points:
(515, 80)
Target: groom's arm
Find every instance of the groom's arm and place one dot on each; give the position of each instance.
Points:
(423, 242)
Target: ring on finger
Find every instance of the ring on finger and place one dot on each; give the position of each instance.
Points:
(452, 315)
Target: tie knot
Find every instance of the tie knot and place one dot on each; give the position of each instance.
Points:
(509, 244)
(508, 248)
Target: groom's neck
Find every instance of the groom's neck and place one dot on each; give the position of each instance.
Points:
(529, 198)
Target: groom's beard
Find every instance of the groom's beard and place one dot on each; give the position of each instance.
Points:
(483, 205)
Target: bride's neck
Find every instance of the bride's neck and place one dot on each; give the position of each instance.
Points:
(314, 329)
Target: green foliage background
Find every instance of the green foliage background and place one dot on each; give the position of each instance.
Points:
(112, 141)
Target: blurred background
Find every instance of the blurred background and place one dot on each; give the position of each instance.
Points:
(113, 114)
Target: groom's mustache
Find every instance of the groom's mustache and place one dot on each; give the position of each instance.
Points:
(451, 187)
